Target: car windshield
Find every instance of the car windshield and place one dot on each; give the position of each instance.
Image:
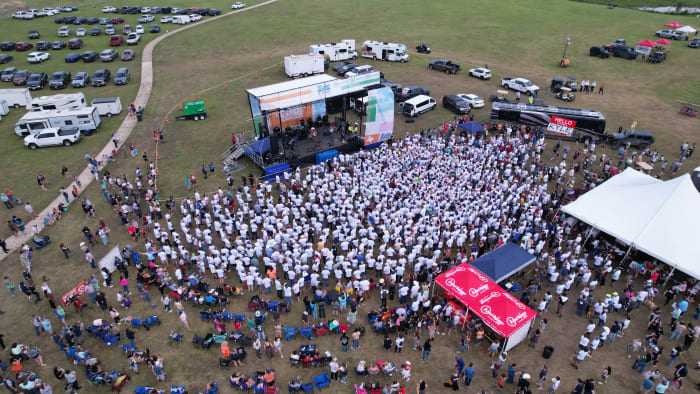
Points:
(22, 73)
(67, 131)
(121, 74)
(461, 103)
(99, 74)
(106, 52)
(35, 77)
(79, 77)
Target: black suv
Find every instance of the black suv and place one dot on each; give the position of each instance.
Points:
(639, 138)
(456, 104)
(33, 34)
(345, 68)
(599, 52)
(37, 81)
(657, 57)
(7, 46)
(409, 92)
(90, 56)
(624, 51)
(101, 78)
(59, 80)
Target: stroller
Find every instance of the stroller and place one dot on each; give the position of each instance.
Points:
(40, 242)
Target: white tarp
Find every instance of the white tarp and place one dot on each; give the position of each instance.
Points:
(657, 218)
(108, 260)
(686, 29)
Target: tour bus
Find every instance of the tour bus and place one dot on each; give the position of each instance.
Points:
(556, 122)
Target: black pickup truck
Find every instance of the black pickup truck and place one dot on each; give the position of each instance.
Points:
(444, 65)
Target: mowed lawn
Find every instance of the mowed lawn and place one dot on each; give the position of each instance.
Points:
(232, 50)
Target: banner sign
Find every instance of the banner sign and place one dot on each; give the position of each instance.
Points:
(76, 291)
(380, 115)
(561, 126)
(321, 91)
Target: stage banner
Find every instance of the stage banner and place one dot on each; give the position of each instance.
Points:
(380, 115)
(77, 291)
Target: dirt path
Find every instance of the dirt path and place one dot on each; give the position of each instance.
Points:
(124, 130)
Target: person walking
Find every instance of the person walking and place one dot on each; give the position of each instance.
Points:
(427, 347)
(469, 373)
(130, 335)
(183, 319)
(355, 339)
(601, 88)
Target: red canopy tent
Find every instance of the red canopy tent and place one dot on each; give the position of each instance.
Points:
(674, 25)
(663, 41)
(504, 314)
(646, 43)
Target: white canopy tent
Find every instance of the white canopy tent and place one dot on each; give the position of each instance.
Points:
(661, 219)
(686, 29)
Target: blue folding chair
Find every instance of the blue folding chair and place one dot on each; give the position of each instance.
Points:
(307, 387)
(322, 381)
(306, 332)
(177, 389)
(289, 333)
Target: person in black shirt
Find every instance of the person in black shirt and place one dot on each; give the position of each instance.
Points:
(387, 343)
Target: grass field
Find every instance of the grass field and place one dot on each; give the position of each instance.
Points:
(470, 33)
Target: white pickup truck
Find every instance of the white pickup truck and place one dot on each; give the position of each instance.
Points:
(520, 84)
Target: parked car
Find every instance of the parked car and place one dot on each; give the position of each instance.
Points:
(214, 12)
(92, 21)
(624, 52)
(657, 57)
(4, 58)
(79, 20)
(59, 80)
(128, 55)
(108, 55)
(116, 21)
(155, 29)
(108, 9)
(639, 138)
(90, 56)
(343, 69)
(116, 40)
(600, 52)
(75, 43)
(33, 34)
(444, 65)
(455, 104)
(140, 29)
(481, 73)
(23, 15)
(109, 29)
(81, 32)
(166, 19)
(359, 70)
(409, 92)
(694, 43)
(122, 76)
(23, 46)
(95, 31)
(73, 57)
(126, 29)
(64, 31)
(58, 45)
(80, 80)
(38, 57)
(146, 18)
(417, 105)
(43, 46)
(52, 137)
(105, 21)
(101, 77)
(67, 8)
(473, 100)
(7, 46)
(20, 77)
(237, 5)
(133, 38)
(195, 17)
(7, 74)
(37, 81)
(669, 33)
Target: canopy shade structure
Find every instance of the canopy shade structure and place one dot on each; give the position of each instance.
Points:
(686, 29)
(663, 41)
(673, 24)
(503, 262)
(471, 127)
(658, 218)
(646, 43)
(506, 316)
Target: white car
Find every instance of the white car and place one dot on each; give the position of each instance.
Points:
(108, 9)
(146, 10)
(165, 19)
(49, 11)
(473, 100)
(140, 29)
(81, 32)
(175, 11)
(133, 38)
(38, 57)
(237, 5)
(23, 15)
(52, 137)
(481, 73)
(195, 17)
(146, 18)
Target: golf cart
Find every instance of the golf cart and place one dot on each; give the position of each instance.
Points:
(423, 48)
(500, 96)
(565, 94)
(689, 111)
(571, 83)
(558, 84)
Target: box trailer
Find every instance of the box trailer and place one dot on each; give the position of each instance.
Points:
(336, 51)
(16, 97)
(303, 65)
(87, 120)
(58, 101)
(389, 51)
(107, 106)
(181, 19)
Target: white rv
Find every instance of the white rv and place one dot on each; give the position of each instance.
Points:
(107, 106)
(16, 97)
(87, 120)
(303, 65)
(384, 51)
(181, 19)
(336, 51)
(58, 101)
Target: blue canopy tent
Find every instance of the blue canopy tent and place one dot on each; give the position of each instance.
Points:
(471, 127)
(261, 146)
(503, 262)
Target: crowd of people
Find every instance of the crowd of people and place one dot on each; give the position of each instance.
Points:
(380, 225)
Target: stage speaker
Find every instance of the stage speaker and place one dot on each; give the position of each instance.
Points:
(274, 145)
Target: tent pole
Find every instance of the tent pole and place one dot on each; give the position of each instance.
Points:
(626, 253)
(590, 231)
(670, 274)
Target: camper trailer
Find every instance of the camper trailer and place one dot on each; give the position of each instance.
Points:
(87, 120)
(336, 51)
(58, 101)
(181, 19)
(303, 65)
(384, 51)
(107, 106)
(16, 97)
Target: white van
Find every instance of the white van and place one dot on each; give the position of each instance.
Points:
(181, 19)
(87, 120)
(58, 101)
(107, 106)
(417, 105)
